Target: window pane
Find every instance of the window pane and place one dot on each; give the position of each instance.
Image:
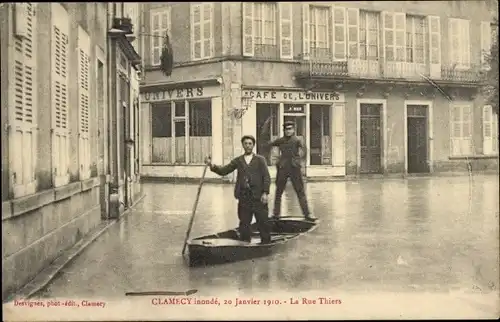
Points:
(161, 117)
(180, 109)
(180, 129)
(200, 130)
(200, 118)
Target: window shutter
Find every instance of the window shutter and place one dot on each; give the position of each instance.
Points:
(453, 41)
(155, 40)
(485, 42)
(286, 33)
(434, 46)
(207, 30)
(196, 36)
(465, 43)
(487, 130)
(248, 28)
(400, 36)
(23, 115)
(339, 33)
(306, 32)
(84, 102)
(353, 32)
(388, 35)
(60, 125)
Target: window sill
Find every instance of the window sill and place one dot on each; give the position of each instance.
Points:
(19, 206)
(474, 157)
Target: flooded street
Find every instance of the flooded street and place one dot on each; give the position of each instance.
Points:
(416, 236)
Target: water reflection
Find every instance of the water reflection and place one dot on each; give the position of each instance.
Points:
(418, 205)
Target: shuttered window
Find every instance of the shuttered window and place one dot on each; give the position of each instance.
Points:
(490, 131)
(84, 102)
(459, 43)
(23, 103)
(60, 117)
(485, 43)
(261, 37)
(202, 30)
(161, 23)
(461, 130)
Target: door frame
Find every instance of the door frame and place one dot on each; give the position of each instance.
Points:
(430, 131)
(383, 119)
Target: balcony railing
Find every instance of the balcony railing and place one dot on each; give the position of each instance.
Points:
(470, 74)
(324, 65)
(266, 51)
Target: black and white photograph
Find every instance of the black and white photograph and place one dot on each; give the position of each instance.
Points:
(329, 160)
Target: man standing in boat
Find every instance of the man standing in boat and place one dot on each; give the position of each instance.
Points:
(289, 165)
(251, 189)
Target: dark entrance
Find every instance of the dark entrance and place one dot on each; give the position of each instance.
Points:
(417, 139)
(371, 138)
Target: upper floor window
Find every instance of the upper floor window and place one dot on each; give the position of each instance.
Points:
(202, 30)
(416, 28)
(161, 23)
(265, 23)
(459, 43)
(319, 30)
(267, 29)
(368, 35)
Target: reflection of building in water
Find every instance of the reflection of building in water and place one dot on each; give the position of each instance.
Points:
(358, 80)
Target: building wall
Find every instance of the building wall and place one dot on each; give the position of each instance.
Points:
(273, 73)
(38, 225)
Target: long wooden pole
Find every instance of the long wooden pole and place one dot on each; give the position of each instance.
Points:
(194, 209)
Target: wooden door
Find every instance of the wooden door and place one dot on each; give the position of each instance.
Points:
(371, 138)
(417, 139)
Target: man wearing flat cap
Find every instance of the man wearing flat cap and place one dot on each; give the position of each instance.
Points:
(289, 166)
(251, 189)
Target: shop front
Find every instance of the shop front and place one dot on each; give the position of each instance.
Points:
(319, 120)
(181, 126)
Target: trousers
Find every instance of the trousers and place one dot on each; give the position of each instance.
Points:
(248, 206)
(295, 175)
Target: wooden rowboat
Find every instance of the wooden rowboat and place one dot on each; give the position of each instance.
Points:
(226, 247)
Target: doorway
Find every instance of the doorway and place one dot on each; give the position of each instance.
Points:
(320, 151)
(267, 130)
(417, 152)
(299, 119)
(370, 138)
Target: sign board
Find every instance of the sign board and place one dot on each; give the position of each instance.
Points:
(295, 96)
(299, 109)
(181, 94)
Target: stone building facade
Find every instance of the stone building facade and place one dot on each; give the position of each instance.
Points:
(375, 88)
(61, 122)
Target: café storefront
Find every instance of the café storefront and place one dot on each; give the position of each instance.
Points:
(320, 122)
(181, 125)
